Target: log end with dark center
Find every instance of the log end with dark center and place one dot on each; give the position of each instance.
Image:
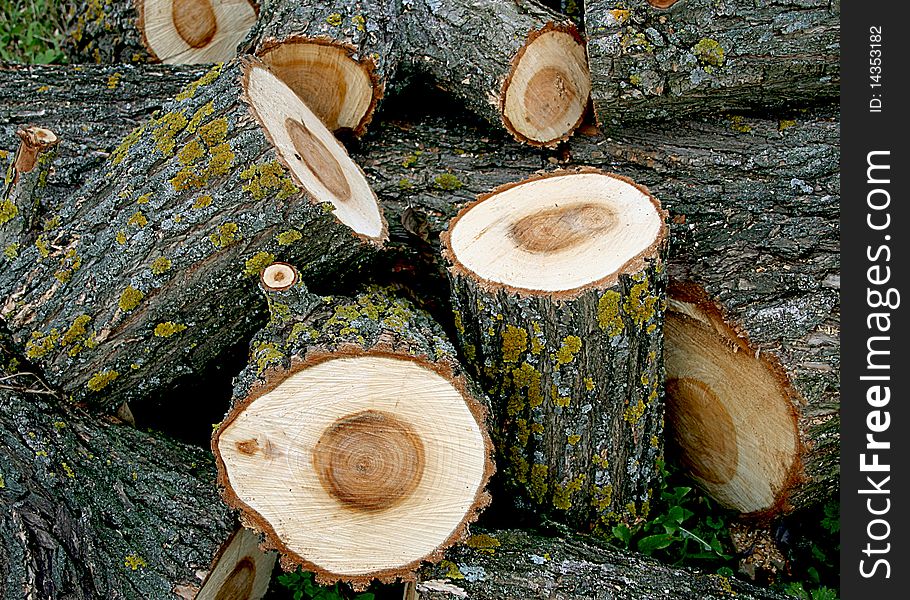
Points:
(318, 159)
(194, 31)
(341, 90)
(369, 461)
(278, 276)
(546, 93)
(558, 229)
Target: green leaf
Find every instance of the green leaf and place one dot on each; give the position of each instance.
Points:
(651, 543)
(623, 533)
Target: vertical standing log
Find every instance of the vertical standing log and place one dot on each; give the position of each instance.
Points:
(559, 289)
(25, 179)
(168, 31)
(518, 65)
(148, 271)
(339, 57)
(384, 455)
(662, 59)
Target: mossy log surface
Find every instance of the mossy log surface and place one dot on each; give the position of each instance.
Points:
(366, 31)
(103, 32)
(519, 565)
(577, 389)
(702, 56)
(91, 508)
(149, 270)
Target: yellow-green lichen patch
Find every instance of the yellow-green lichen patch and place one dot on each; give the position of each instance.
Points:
(161, 265)
(470, 351)
(265, 354)
(589, 383)
(655, 441)
(569, 348)
(738, 124)
(214, 132)
(640, 304)
(538, 485)
(101, 380)
(199, 116)
(334, 19)
(44, 249)
(165, 130)
(134, 562)
(483, 543)
(514, 343)
(11, 251)
(121, 237)
(405, 184)
(69, 264)
(288, 237)
(536, 428)
(202, 201)
(608, 317)
(527, 377)
(40, 344)
(448, 182)
(113, 80)
(138, 220)
(168, 328)
(227, 234)
(264, 179)
(360, 22)
(573, 439)
(301, 329)
(459, 324)
(536, 343)
(634, 412)
(709, 52)
(256, 263)
(8, 211)
(785, 124)
(562, 494)
(190, 90)
(130, 298)
(128, 142)
(603, 496)
(143, 199)
(562, 401)
(76, 331)
(411, 159)
(190, 153)
(452, 571)
(68, 470)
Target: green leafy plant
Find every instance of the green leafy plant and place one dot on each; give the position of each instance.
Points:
(684, 526)
(303, 586)
(31, 31)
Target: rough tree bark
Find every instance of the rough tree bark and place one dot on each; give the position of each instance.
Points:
(339, 57)
(518, 65)
(499, 565)
(385, 436)
(142, 274)
(575, 371)
(663, 59)
(91, 508)
(169, 31)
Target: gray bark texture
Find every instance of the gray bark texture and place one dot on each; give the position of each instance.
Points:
(468, 47)
(369, 29)
(705, 56)
(577, 390)
(91, 508)
(149, 270)
(103, 31)
(518, 565)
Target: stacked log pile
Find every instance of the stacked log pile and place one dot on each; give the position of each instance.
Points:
(613, 296)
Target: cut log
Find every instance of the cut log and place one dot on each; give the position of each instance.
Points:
(664, 59)
(558, 286)
(25, 181)
(337, 56)
(380, 436)
(512, 565)
(518, 65)
(147, 271)
(168, 31)
(90, 508)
